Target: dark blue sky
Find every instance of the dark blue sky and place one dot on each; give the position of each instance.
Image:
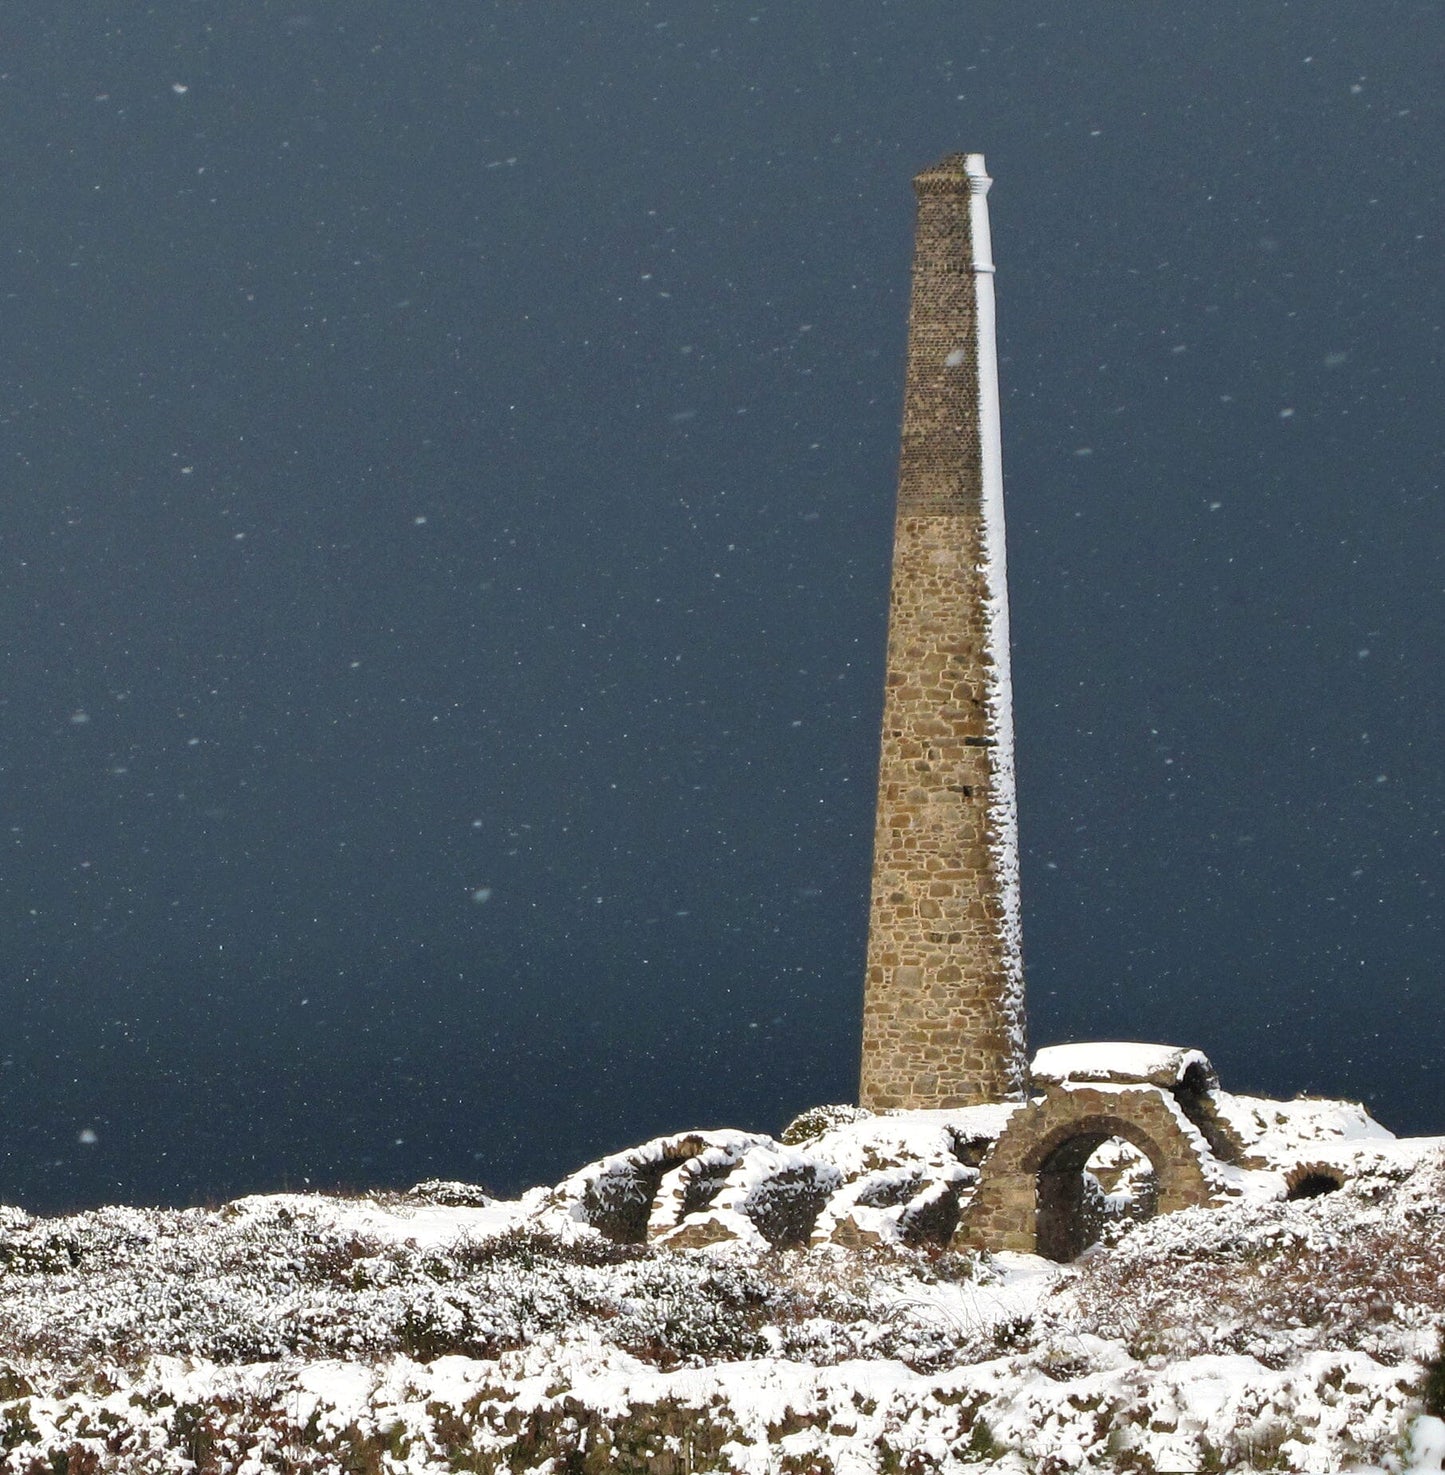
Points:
(448, 468)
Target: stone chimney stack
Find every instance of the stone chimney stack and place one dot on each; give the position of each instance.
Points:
(943, 1012)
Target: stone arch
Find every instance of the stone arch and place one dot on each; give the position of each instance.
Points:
(1062, 1225)
(617, 1195)
(1098, 1127)
(618, 1202)
(1030, 1185)
(1312, 1180)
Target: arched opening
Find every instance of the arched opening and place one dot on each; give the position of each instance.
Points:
(1312, 1184)
(1197, 1080)
(1195, 1094)
(1088, 1182)
(618, 1203)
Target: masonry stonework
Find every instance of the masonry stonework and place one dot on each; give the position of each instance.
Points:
(1023, 1197)
(943, 1000)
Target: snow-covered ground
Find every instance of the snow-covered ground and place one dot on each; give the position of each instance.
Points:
(440, 1331)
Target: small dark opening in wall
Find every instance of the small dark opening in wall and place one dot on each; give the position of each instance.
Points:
(970, 1151)
(1312, 1185)
(1195, 1081)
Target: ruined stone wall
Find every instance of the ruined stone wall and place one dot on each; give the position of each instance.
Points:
(1013, 1200)
(943, 1002)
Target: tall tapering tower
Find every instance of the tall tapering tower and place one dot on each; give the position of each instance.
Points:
(943, 1012)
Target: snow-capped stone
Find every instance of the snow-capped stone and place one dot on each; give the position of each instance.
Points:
(1123, 1063)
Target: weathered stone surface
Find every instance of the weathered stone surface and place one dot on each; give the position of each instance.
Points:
(1028, 1183)
(1123, 1062)
(943, 1001)
(1021, 1175)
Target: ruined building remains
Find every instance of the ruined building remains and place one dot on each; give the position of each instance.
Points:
(1040, 1157)
(943, 1013)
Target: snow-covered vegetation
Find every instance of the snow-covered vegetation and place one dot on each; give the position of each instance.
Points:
(441, 1331)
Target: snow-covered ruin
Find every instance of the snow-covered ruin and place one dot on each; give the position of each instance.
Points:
(1098, 1260)
(1046, 1155)
(1113, 1134)
(574, 1329)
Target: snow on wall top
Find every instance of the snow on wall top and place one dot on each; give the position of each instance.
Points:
(1122, 1062)
(1289, 1131)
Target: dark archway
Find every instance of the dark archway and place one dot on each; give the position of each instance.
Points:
(1073, 1205)
(1032, 1194)
(1312, 1182)
(619, 1203)
(1064, 1227)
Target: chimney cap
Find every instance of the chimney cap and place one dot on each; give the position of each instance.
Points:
(954, 174)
